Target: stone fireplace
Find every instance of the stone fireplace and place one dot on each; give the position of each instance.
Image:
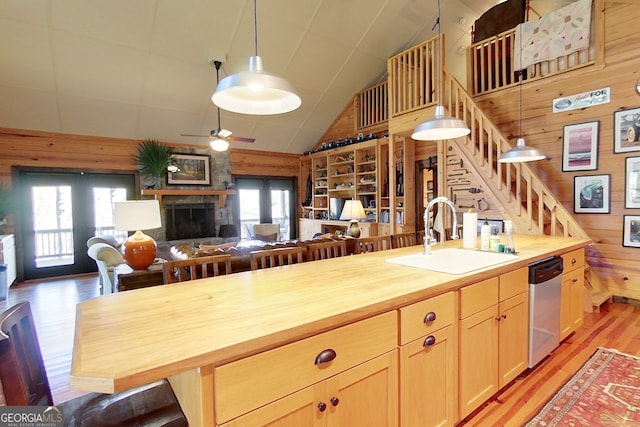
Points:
(189, 220)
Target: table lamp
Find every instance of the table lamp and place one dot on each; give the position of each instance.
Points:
(353, 211)
(139, 250)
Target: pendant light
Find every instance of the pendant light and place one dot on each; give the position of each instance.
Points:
(521, 152)
(255, 91)
(441, 126)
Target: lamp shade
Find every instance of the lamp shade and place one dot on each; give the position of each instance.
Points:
(134, 215)
(256, 92)
(440, 127)
(521, 153)
(352, 210)
(139, 250)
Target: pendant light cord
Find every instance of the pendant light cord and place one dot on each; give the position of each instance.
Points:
(255, 25)
(439, 56)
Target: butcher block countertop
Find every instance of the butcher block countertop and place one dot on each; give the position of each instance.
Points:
(135, 337)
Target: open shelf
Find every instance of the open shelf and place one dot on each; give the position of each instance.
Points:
(158, 194)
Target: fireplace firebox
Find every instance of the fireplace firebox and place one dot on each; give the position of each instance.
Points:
(190, 220)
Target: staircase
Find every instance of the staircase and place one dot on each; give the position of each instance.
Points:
(521, 194)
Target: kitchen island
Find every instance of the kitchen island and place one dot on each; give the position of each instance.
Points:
(344, 311)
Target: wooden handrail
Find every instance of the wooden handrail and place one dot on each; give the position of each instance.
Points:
(522, 194)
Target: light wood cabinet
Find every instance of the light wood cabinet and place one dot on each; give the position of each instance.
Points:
(343, 364)
(428, 362)
(494, 320)
(572, 295)
(8, 256)
(363, 395)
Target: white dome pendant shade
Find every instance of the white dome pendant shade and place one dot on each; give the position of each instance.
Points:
(255, 92)
(440, 127)
(521, 153)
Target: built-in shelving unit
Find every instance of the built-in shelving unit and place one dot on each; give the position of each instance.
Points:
(158, 194)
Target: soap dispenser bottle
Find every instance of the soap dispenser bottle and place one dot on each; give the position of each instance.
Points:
(485, 235)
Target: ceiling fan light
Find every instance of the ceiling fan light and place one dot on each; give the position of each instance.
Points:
(440, 127)
(521, 153)
(256, 92)
(219, 144)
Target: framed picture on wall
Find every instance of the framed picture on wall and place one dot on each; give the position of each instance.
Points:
(580, 146)
(632, 183)
(193, 169)
(631, 231)
(626, 130)
(592, 194)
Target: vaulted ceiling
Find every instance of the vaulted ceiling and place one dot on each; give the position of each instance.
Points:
(142, 68)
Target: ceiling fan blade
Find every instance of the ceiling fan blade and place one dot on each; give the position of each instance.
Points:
(240, 139)
(198, 136)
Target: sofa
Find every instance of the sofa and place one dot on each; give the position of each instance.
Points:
(239, 251)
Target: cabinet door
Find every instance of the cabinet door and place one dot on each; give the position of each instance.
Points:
(577, 296)
(298, 409)
(478, 359)
(513, 350)
(571, 311)
(427, 375)
(366, 395)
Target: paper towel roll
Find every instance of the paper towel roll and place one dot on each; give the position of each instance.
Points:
(469, 230)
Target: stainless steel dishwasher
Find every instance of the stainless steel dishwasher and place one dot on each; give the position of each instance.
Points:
(545, 285)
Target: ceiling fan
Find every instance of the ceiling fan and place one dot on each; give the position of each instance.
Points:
(220, 137)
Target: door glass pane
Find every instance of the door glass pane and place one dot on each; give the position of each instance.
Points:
(280, 211)
(53, 225)
(249, 211)
(104, 199)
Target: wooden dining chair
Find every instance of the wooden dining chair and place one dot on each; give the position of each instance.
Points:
(196, 268)
(324, 250)
(374, 244)
(402, 240)
(25, 383)
(267, 258)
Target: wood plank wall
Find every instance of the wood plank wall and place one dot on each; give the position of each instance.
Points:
(614, 267)
(63, 151)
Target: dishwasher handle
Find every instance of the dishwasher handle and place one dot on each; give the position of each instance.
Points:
(545, 270)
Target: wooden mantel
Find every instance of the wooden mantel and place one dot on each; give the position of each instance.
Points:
(158, 194)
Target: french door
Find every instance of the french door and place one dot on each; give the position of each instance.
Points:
(61, 211)
(267, 200)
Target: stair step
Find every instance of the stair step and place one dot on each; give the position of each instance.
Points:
(599, 298)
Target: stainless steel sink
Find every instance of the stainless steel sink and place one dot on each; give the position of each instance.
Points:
(453, 260)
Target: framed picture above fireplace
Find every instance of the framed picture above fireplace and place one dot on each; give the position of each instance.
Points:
(193, 169)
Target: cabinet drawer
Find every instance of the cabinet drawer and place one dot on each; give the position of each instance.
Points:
(412, 318)
(479, 296)
(248, 383)
(572, 260)
(514, 283)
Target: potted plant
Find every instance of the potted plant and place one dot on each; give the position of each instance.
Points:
(153, 158)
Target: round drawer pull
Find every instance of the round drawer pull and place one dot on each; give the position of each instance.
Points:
(322, 406)
(325, 356)
(335, 401)
(430, 340)
(573, 260)
(430, 317)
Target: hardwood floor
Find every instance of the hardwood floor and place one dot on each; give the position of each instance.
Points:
(616, 326)
(53, 303)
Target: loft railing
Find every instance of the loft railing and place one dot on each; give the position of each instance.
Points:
(491, 64)
(372, 106)
(413, 78)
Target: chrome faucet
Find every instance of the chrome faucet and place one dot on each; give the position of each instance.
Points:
(429, 240)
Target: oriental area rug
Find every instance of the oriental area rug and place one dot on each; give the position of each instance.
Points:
(604, 392)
